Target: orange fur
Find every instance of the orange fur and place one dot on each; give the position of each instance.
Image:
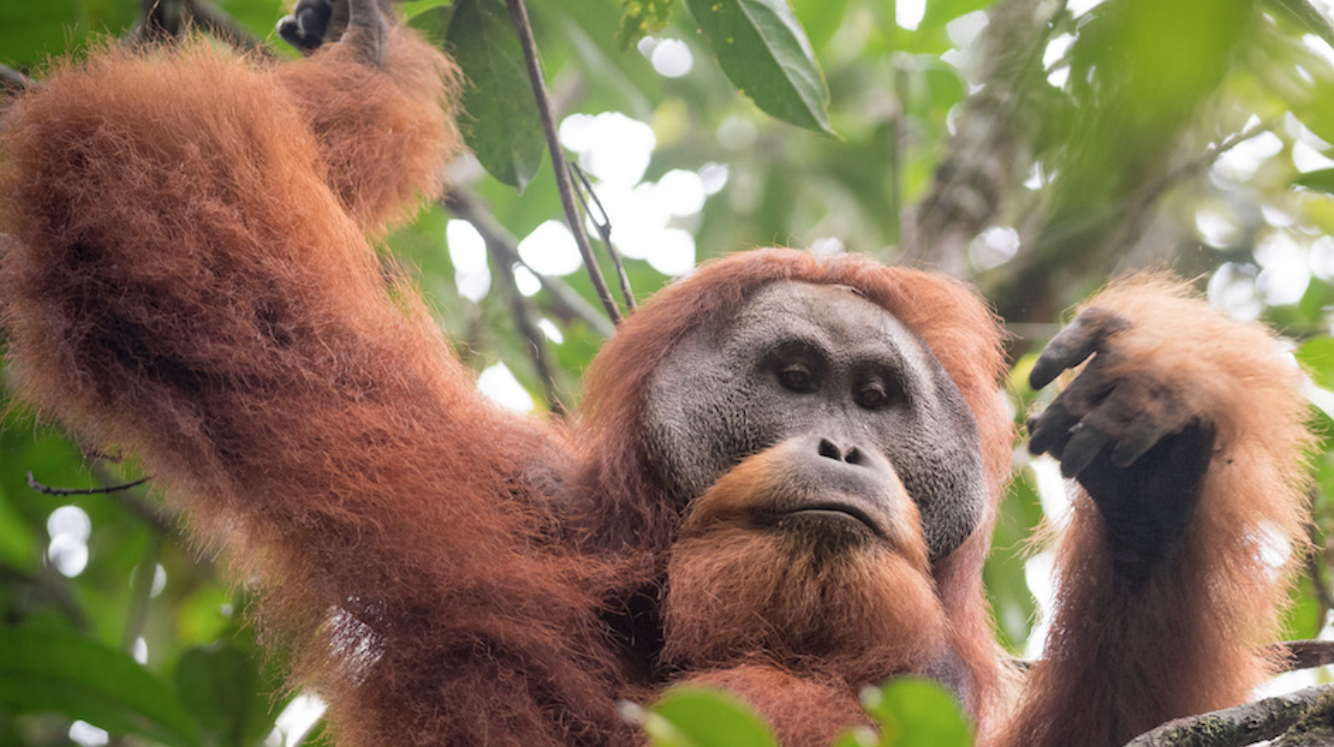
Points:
(384, 134)
(188, 278)
(184, 283)
(625, 509)
(1121, 661)
(735, 593)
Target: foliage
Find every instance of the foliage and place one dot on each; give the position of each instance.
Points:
(1034, 147)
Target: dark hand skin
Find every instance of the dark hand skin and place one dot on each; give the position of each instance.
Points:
(308, 24)
(361, 23)
(1129, 441)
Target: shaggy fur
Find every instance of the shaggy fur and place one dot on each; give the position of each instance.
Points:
(735, 594)
(189, 279)
(1188, 641)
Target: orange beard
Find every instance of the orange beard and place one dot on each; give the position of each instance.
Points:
(863, 612)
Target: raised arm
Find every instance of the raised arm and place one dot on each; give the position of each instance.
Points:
(183, 283)
(381, 104)
(1186, 433)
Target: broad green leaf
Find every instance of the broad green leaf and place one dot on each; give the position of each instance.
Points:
(640, 17)
(764, 52)
(820, 19)
(17, 547)
(1304, 617)
(914, 712)
(32, 32)
(1321, 180)
(1005, 570)
(45, 670)
(414, 8)
(257, 16)
(703, 717)
(1317, 357)
(219, 684)
(1306, 14)
(500, 120)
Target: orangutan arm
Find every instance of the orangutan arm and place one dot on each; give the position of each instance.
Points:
(1185, 431)
(183, 283)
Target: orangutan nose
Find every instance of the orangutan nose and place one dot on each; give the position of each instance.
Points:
(848, 454)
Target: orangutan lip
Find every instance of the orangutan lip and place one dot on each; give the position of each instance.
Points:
(842, 509)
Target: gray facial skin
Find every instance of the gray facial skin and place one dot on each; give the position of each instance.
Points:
(819, 361)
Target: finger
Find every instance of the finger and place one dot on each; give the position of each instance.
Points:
(290, 31)
(1048, 430)
(1074, 344)
(1137, 415)
(1085, 444)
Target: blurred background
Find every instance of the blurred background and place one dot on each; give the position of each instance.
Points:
(1035, 148)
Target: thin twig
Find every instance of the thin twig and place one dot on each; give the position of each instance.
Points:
(1297, 655)
(1233, 727)
(219, 23)
(532, 334)
(565, 302)
(520, 16)
(160, 516)
(47, 490)
(602, 222)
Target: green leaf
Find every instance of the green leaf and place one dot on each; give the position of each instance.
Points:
(500, 121)
(17, 547)
(1321, 180)
(764, 52)
(914, 712)
(1317, 357)
(257, 16)
(640, 17)
(821, 19)
(30, 32)
(704, 717)
(219, 684)
(1005, 572)
(1308, 16)
(51, 670)
(414, 8)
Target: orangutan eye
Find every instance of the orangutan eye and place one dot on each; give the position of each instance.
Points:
(796, 377)
(874, 395)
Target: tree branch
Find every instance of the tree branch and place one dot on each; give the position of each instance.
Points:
(563, 184)
(47, 490)
(527, 326)
(603, 223)
(983, 159)
(1242, 725)
(1297, 655)
(565, 302)
(1314, 729)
